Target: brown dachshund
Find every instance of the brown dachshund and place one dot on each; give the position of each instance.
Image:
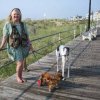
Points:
(50, 80)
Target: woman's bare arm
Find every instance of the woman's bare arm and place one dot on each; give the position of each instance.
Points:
(4, 39)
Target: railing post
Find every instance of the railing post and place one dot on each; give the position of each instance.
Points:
(80, 30)
(74, 33)
(59, 37)
(85, 28)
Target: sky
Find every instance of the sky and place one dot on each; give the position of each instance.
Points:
(50, 9)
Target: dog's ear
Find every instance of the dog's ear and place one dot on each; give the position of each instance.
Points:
(58, 48)
(42, 75)
(60, 75)
(68, 49)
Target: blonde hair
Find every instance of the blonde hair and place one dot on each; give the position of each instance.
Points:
(10, 17)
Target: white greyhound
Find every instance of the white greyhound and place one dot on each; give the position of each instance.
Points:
(63, 53)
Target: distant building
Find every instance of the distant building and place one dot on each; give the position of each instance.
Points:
(76, 18)
(96, 15)
(93, 16)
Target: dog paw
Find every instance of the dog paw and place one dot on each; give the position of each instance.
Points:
(63, 78)
(50, 90)
(58, 70)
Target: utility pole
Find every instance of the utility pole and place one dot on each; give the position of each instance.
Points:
(89, 15)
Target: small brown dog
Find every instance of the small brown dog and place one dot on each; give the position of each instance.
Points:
(51, 80)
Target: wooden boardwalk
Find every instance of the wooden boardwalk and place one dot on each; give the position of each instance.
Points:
(83, 84)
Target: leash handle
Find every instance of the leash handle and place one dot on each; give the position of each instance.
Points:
(1, 49)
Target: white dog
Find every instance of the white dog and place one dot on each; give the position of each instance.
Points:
(63, 53)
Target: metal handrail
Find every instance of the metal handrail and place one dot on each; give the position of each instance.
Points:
(50, 35)
(51, 44)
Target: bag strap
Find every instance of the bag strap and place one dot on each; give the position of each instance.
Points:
(22, 27)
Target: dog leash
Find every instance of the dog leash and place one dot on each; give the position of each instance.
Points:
(3, 49)
(33, 52)
(39, 53)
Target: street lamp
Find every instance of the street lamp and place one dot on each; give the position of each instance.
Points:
(89, 15)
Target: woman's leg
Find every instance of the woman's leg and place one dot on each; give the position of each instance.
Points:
(19, 69)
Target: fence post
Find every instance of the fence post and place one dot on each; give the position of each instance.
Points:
(80, 30)
(59, 37)
(85, 28)
(74, 33)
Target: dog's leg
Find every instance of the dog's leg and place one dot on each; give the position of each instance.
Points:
(57, 64)
(63, 65)
(57, 59)
(68, 72)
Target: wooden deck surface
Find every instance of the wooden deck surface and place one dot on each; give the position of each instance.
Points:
(83, 84)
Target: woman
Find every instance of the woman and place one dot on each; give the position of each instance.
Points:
(18, 43)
